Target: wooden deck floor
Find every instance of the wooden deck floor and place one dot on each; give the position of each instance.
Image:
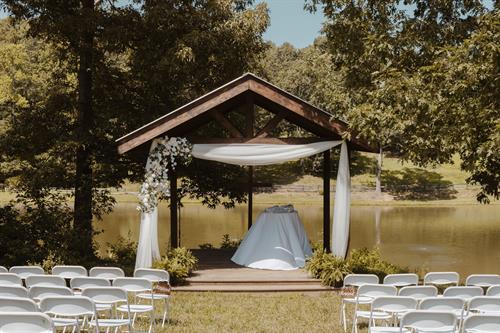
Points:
(216, 272)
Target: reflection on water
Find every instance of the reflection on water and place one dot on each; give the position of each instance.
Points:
(462, 238)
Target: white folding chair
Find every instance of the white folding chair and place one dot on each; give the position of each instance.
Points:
(13, 291)
(401, 280)
(485, 305)
(69, 311)
(389, 310)
(155, 276)
(25, 271)
(45, 280)
(17, 304)
(441, 278)
(355, 281)
(446, 304)
(483, 280)
(87, 282)
(134, 286)
(365, 295)
(109, 273)
(418, 292)
(465, 293)
(429, 321)
(493, 291)
(23, 322)
(114, 297)
(10, 279)
(482, 323)
(37, 293)
(3, 269)
(68, 272)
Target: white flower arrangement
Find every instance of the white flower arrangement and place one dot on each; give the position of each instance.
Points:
(163, 157)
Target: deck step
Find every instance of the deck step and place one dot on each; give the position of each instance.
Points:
(260, 287)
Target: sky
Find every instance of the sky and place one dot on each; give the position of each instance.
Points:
(291, 23)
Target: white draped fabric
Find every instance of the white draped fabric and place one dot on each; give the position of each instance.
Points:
(259, 154)
(147, 247)
(276, 241)
(341, 208)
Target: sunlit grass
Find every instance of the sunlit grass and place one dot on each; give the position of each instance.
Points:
(235, 312)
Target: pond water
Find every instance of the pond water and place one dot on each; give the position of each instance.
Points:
(459, 238)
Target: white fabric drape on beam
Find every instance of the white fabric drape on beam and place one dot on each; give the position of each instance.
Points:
(341, 208)
(259, 154)
(147, 246)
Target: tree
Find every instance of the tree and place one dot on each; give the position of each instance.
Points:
(109, 67)
(382, 48)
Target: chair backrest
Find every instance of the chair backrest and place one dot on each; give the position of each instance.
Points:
(154, 275)
(442, 304)
(376, 290)
(428, 320)
(465, 293)
(485, 304)
(401, 280)
(69, 272)
(25, 271)
(493, 291)
(13, 291)
(71, 306)
(133, 284)
(40, 292)
(45, 280)
(106, 295)
(394, 304)
(106, 272)
(441, 278)
(482, 323)
(33, 322)
(16, 304)
(3, 269)
(87, 282)
(10, 279)
(482, 280)
(418, 292)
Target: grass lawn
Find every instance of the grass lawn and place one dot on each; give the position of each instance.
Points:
(237, 312)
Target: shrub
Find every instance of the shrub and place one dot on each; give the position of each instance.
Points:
(206, 246)
(228, 243)
(123, 253)
(332, 270)
(179, 262)
(366, 261)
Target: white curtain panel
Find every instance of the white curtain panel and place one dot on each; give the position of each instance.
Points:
(341, 208)
(259, 154)
(147, 246)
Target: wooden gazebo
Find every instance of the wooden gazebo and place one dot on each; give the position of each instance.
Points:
(242, 95)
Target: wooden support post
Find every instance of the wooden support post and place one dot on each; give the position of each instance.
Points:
(327, 166)
(173, 209)
(250, 196)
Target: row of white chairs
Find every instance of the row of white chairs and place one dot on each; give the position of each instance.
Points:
(77, 312)
(411, 289)
(432, 278)
(43, 286)
(387, 307)
(66, 271)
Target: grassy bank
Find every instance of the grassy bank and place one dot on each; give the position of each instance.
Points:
(290, 312)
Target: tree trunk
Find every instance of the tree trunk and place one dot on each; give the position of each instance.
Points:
(378, 181)
(83, 176)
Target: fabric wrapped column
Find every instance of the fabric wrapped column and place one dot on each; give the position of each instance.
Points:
(342, 206)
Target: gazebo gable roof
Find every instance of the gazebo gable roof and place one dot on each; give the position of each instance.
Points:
(245, 88)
